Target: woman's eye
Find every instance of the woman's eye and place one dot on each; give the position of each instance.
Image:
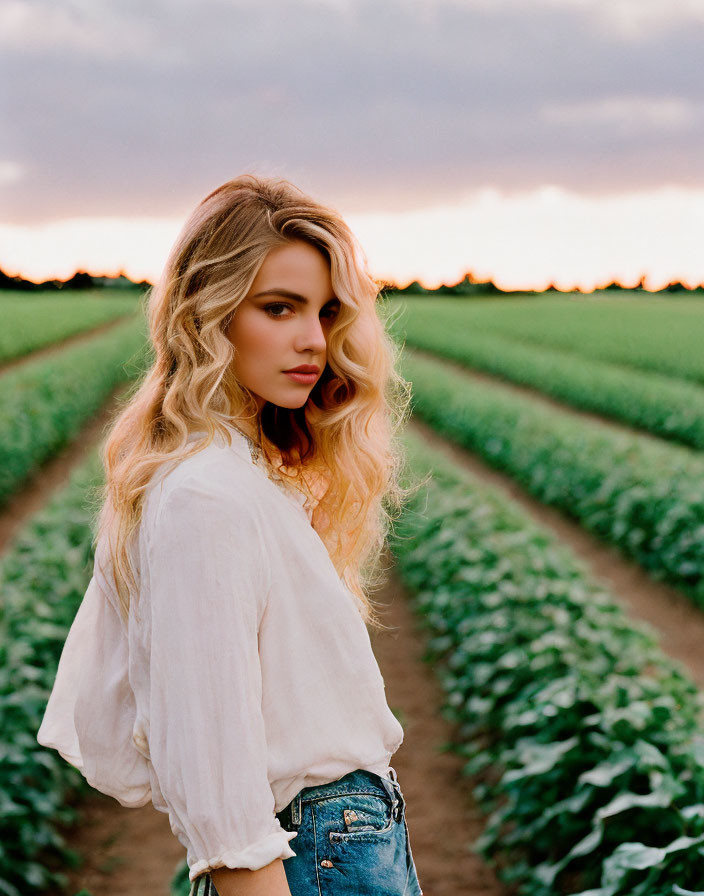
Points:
(276, 309)
(331, 313)
(279, 309)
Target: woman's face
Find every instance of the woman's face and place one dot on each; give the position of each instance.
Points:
(283, 323)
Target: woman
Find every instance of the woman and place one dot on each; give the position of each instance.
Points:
(220, 664)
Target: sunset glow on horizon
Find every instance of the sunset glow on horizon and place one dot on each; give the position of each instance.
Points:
(527, 240)
(529, 142)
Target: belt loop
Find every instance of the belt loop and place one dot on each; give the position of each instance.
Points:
(296, 810)
(394, 791)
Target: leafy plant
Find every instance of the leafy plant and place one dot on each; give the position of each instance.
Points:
(35, 320)
(44, 403)
(43, 577)
(642, 494)
(180, 884)
(583, 738)
(670, 408)
(656, 333)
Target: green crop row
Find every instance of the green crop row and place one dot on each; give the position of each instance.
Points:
(670, 408)
(31, 321)
(44, 403)
(582, 738)
(664, 335)
(43, 577)
(644, 495)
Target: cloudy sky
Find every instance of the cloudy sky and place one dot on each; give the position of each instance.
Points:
(528, 140)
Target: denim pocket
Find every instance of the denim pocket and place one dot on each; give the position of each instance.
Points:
(357, 817)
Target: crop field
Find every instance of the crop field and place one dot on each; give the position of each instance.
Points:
(43, 577)
(503, 603)
(586, 736)
(665, 406)
(33, 320)
(644, 494)
(582, 739)
(659, 334)
(44, 402)
(44, 572)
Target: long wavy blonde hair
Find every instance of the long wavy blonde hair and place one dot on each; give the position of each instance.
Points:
(341, 448)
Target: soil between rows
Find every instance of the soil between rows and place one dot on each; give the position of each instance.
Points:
(55, 472)
(678, 623)
(534, 394)
(55, 348)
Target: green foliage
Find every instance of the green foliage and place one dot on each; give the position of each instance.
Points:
(43, 577)
(660, 334)
(180, 884)
(467, 286)
(670, 408)
(640, 493)
(44, 404)
(31, 321)
(583, 738)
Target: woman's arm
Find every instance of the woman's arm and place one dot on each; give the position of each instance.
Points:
(267, 881)
(208, 583)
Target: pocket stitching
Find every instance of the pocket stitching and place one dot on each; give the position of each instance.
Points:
(333, 794)
(369, 836)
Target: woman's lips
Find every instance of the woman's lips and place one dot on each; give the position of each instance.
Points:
(307, 379)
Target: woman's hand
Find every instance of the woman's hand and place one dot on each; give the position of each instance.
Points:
(267, 881)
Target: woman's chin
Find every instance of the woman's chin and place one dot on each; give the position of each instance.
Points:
(289, 403)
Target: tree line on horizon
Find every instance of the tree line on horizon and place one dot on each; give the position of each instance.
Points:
(80, 280)
(467, 286)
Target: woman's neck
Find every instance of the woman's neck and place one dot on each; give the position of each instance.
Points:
(249, 428)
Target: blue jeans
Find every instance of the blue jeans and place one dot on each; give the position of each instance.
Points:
(352, 840)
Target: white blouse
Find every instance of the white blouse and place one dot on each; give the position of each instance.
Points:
(245, 671)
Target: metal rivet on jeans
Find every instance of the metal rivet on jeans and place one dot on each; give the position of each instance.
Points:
(326, 863)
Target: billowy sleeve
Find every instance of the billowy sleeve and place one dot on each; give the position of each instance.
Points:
(207, 740)
(90, 715)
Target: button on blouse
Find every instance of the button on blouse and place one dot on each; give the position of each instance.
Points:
(243, 674)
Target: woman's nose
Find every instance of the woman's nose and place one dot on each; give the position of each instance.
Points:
(311, 336)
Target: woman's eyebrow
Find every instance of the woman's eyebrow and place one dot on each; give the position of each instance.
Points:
(286, 293)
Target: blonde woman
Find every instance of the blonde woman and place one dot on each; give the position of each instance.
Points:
(220, 663)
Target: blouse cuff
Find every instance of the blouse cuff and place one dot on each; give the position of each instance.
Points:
(255, 856)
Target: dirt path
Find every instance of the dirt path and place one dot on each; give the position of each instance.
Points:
(443, 819)
(55, 472)
(127, 852)
(55, 347)
(677, 621)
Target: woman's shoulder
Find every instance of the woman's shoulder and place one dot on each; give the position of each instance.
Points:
(216, 471)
